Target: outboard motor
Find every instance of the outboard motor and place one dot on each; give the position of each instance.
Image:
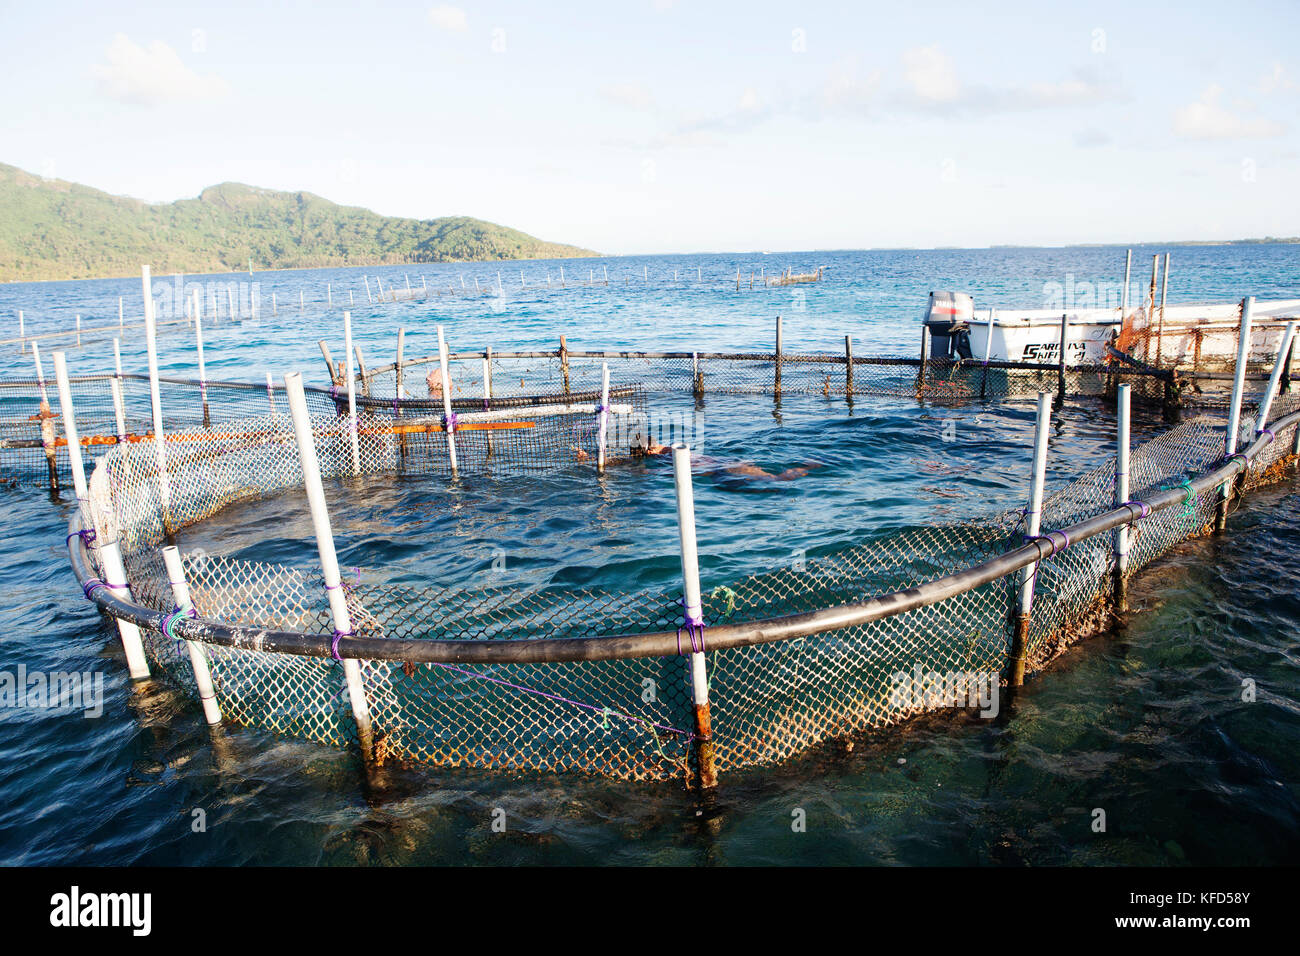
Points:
(948, 322)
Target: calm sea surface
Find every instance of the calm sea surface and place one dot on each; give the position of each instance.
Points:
(1146, 722)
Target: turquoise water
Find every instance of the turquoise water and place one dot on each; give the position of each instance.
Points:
(1146, 722)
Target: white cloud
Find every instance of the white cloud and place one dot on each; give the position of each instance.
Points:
(446, 17)
(844, 90)
(148, 77)
(1209, 119)
(632, 96)
(1275, 80)
(930, 73)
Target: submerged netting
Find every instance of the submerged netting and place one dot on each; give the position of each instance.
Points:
(628, 718)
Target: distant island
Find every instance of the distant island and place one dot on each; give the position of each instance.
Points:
(51, 229)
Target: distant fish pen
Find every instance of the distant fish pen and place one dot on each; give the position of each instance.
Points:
(687, 683)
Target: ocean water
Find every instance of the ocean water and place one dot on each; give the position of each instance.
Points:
(1146, 722)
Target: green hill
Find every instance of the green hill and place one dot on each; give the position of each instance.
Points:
(50, 229)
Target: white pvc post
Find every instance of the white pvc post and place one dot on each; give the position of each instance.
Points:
(606, 271)
(604, 417)
(1239, 376)
(1123, 429)
(693, 609)
(328, 557)
(487, 389)
(74, 442)
(270, 392)
(561, 277)
(119, 404)
(198, 342)
(155, 398)
(121, 320)
(353, 438)
(329, 295)
(1279, 367)
(230, 303)
(1033, 521)
(40, 374)
(198, 660)
(988, 344)
(22, 333)
(446, 401)
(110, 557)
(369, 298)
(275, 309)
(110, 560)
(78, 330)
(301, 301)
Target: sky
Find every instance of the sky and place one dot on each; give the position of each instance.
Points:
(673, 126)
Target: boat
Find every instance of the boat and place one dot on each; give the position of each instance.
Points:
(1186, 337)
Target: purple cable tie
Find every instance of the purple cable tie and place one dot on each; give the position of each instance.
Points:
(449, 422)
(1268, 432)
(334, 644)
(1142, 506)
(91, 586)
(694, 628)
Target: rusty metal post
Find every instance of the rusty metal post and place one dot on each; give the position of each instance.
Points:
(693, 611)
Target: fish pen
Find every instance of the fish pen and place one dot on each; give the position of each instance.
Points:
(687, 682)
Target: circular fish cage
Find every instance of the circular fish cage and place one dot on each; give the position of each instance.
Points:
(687, 681)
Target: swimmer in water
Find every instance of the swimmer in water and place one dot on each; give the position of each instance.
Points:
(434, 381)
(742, 469)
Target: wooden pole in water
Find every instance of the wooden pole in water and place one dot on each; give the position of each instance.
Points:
(487, 390)
(1033, 518)
(603, 414)
(564, 361)
(1123, 302)
(155, 397)
(1121, 539)
(448, 417)
(848, 366)
(110, 557)
(329, 361)
(1234, 406)
(328, 558)
(198, 660)
(353, 439)
(1164, 292)
(777, 373)
(361, 369)
(48, 442)
(693, 616)
(1151, 306)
